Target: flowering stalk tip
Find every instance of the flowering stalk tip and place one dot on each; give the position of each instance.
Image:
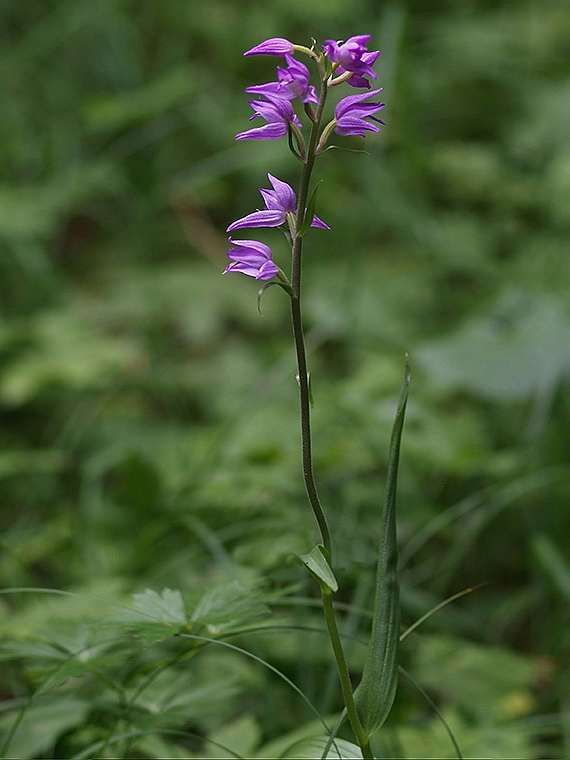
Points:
(339, 62)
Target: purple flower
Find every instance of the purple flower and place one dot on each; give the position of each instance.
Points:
(293, 83)
(351, 114)
(252, 258)
(353, 56)
(278, 203)
(278, 113)
(274, 46)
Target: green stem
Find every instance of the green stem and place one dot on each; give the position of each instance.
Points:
(297, 319)
(305, 403)
(343, 673)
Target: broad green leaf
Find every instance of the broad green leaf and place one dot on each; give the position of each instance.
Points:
(522, 347)
(313, 749)
(318, 564)
(241, 736)
(156, 616)
(228, 603)
(40, 726)
(376, 692)
(490, 684)
(427, 740)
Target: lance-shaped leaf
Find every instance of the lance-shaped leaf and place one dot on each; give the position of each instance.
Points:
(376, 691)
(318, 563)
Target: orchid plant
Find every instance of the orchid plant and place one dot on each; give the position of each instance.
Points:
(336, 63)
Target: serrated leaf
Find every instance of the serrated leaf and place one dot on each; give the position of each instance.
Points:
(318, 564)
(227, 604)
(156, 616)
(313, 749)
(377, 689)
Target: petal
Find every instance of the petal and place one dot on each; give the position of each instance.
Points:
(268, 132)
(262, 249)
(252, 258)
(310, 96)
(284, 194)
(267, 271)
(271, 90)
(236, 266)
(332, 49)
(356, 80)
(370, 58)
(319, 223)
(349, 126)
(346, 103)
(269, 109)
(273, 46)
(360, 40)
(267, 218)
(247, 257)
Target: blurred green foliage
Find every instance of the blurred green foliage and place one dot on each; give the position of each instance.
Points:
(149, 414)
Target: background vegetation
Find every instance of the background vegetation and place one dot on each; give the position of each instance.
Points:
(149, 414)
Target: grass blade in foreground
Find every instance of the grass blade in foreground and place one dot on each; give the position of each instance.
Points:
(376, 692)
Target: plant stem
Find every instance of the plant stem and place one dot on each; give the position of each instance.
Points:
(296, 314)
(343, 673)
(305, 404)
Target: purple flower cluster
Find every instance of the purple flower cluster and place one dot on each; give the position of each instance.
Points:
(339, 62)
(351, 63)
(254, 258)
(352, 56)
(351, 115)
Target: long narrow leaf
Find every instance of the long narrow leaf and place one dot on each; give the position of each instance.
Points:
(377, 689)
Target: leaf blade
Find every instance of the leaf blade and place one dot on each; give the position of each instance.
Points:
(318, 564)
(377, 689)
